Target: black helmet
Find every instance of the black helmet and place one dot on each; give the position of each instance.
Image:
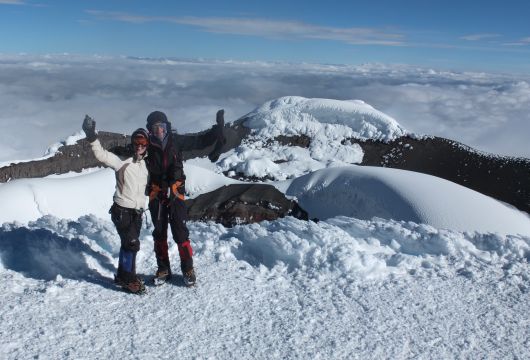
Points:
(157, 117)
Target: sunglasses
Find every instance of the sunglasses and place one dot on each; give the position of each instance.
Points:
(140, 142)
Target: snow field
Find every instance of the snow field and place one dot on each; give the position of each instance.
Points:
(343, 288)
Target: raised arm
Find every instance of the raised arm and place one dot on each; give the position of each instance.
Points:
(106, 157)
(205, 142)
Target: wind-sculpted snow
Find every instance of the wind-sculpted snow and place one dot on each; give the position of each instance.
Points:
(367, 192)
(344, 249)
(360, 192)
(340, 248)
(30, 199)
(292, 115)
(342, 288)
(330, 124)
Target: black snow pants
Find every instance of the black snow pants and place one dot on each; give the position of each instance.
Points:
(128, 223)
(174, 213)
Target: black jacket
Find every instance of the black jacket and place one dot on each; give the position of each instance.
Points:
(164, 164)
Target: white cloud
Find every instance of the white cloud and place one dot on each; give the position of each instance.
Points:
(514, 44)
(267, 28)
(44, 98)
(521, 42)
(478, 37)
(12, 2)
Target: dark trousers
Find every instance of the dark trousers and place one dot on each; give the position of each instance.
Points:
(128, 223)
(173, 213)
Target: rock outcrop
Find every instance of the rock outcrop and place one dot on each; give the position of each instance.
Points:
(79, 156)
(243, 204)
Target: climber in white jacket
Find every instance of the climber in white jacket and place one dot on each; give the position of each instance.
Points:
(129, 200)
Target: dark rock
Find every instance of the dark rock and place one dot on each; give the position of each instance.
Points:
(302, 141)
(243, 204)
(248, 178)
(68, 158)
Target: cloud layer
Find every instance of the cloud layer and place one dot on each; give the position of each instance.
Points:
(45, 98)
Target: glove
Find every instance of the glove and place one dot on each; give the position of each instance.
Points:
(155, 189)
(89, 127)
(177, 190)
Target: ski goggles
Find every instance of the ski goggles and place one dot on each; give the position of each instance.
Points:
(140, 141)
(159, 125)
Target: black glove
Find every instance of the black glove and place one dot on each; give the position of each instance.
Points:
(220, 136)
(89, 127)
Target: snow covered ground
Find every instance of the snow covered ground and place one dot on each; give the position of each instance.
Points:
(400, 265)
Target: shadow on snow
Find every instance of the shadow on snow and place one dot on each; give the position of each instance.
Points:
(42, 255)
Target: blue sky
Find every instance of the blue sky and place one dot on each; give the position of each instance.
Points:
(460, 35)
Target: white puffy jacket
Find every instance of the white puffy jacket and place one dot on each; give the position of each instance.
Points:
(131, 177)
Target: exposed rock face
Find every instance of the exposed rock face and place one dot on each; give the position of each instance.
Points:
(302, 141)
(68, 158)
(503, 178)
(79, 156)
(243, 204)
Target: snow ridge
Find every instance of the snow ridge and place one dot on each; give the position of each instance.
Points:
(328, 123)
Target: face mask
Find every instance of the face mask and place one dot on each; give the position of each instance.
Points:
(160, 130)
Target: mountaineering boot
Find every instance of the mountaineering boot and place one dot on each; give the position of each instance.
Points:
(135, 285)
(189, 277)
(162, 276)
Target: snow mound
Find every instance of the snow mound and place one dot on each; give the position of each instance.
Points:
(367, 192)
(200, 180)
(72, 195)
(67, 196)
(70, 140)
(295, 115)
(329, 124)
(345, 249)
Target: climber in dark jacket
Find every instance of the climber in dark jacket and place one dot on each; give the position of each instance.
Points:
(166, 190)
